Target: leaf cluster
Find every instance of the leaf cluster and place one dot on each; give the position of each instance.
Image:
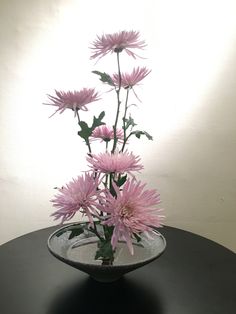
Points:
(87, 131)
(129, 123)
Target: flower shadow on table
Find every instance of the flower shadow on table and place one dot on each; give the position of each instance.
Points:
(122, 296)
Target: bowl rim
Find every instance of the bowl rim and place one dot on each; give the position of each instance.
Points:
(86, 266)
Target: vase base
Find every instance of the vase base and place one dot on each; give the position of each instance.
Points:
(105, 279)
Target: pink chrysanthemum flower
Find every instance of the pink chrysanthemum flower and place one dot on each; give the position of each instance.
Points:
(115, 163)
(132, 211)
(79, 194)
(75, 100)
(117, 42)
(131, 79)
(106, 133)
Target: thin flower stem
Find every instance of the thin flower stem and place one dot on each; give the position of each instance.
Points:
(126, 139)
(119, 72)
(118, 105)
(89, 147)
(106, 180)
(77, 114)
(110, 182)
(94, 230)
(105, 228)
(125, 113)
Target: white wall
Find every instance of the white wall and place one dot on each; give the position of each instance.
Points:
(188, 106)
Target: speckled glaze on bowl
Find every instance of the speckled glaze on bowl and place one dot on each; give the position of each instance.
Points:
(76, 246)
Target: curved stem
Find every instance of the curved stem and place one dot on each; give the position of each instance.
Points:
(126, 139)
(125, 113)
(118, 105)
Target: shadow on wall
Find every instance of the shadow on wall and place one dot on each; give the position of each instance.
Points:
(202, 178)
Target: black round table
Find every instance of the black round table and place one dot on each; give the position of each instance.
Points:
(193, 276)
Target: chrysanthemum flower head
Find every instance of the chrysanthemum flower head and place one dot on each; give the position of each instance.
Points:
(117, 42)
(132, 211)
(131, 79)
(78, 195)
(119, 162)
(106, 133)
(75, 100)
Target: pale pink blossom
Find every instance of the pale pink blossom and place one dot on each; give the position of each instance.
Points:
(117, 42)
(119, 162)
(132, 211)
(78, 195)
(106, 133)
(131, 79)
(75, 100)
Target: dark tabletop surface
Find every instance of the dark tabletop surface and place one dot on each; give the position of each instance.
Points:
(193, 276)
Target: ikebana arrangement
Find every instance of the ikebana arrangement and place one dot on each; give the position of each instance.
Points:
(118, 207)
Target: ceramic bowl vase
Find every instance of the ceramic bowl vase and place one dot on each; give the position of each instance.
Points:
(76, 246)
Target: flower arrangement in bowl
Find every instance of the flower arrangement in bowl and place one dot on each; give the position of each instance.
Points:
(122, 214)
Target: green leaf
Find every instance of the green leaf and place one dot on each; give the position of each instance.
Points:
(58, 234)
(129, 122)
(104, 251)
(76, 232)
(104, 77)
(121, 181)
(137, 237)
(98, 121)
(111, 189)
(139, 133)
(86, 131)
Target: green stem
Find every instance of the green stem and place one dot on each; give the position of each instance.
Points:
(106, 180)
(77, 114)
(89, 147)
(124, 118)
(110, 181)
(126, 139)
(107, 262)
(94, 230)
(118, 105)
